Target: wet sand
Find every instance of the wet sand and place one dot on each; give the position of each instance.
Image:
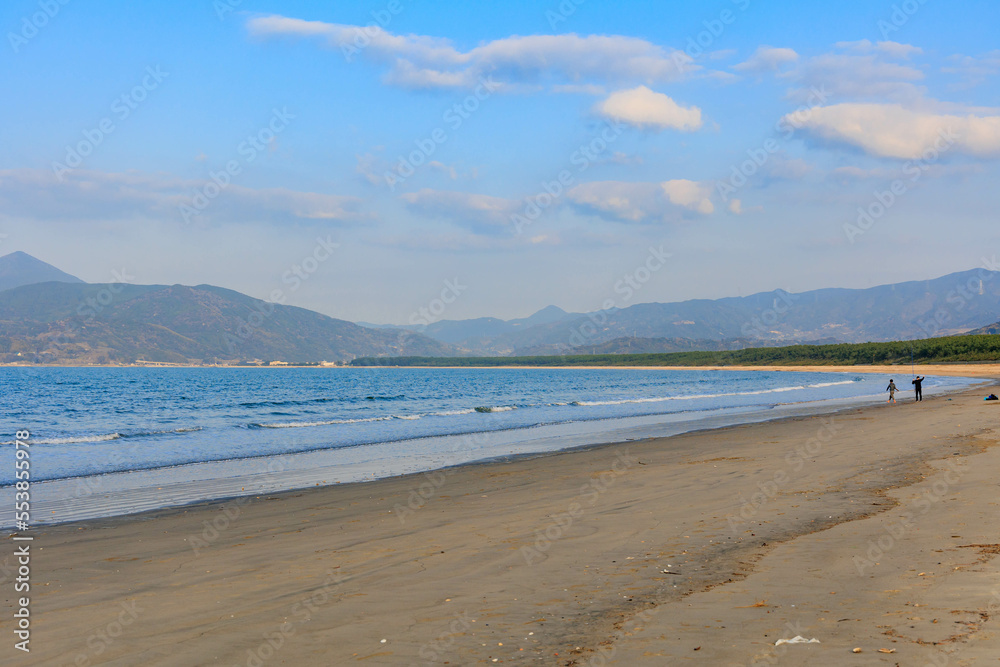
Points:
(875, 528)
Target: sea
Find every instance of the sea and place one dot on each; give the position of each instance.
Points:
(109, 441)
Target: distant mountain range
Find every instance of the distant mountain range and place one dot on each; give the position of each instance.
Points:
(630, 345)
(990, 329)
(952, 304)
(20, 268)
(481, 330)
(75, 322)
(49, 316)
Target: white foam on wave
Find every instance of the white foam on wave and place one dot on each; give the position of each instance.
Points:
(498, 408)
(104, 437)
(660, 399)
(449, 413)
(76, 438)
(321, 423)
(332, 422)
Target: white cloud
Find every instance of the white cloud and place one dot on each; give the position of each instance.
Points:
(782, 167)
(897, 50)
(631, 202)
(418, 61)
(857, 77)
(891, 49)
(579, 89)
(446, 169)
(367, 166)
(974, 70)
(648, 109)
(618, 157)
(481, 213)
(95, 195)
(720, 54)
(767, 59)
(689, 194)
(861, 71)
(890, 130)
(375, 170)
(641, 202)
(854, 173)
(736, 207)
(851, 72)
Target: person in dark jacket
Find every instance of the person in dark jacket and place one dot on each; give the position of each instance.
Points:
(917, 391)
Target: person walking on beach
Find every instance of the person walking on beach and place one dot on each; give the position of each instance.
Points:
(892, 391)
(917, 391)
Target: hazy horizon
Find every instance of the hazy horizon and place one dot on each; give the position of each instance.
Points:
(534, 154)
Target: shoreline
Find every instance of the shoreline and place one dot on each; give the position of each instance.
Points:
(133, 492)
(952, 368)
(620, 550)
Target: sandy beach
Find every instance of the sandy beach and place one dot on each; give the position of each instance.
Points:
(873, 529)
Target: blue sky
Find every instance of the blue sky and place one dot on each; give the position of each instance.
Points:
(234, 143)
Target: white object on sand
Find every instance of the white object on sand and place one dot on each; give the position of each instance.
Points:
(797, 639)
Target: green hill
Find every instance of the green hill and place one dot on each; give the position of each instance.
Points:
(119, 323)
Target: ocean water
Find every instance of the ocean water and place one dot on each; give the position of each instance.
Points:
(86, 421)
(141, 428)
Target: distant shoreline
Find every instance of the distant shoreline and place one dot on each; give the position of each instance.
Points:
(978, 369)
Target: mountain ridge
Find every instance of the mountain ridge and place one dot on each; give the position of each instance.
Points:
(19, 268)
(122, 323)
(951, 304)
(67, 320)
